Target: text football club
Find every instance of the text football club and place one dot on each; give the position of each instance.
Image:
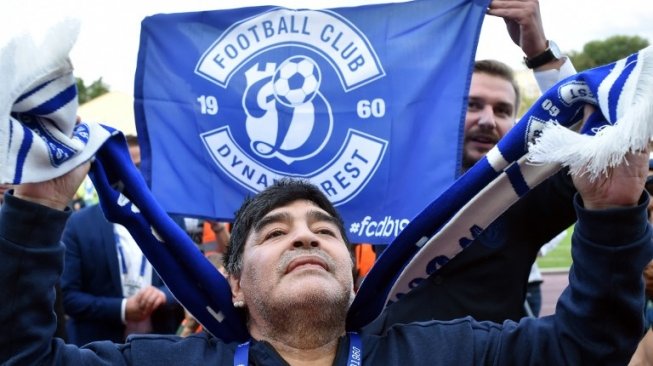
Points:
(284, 75)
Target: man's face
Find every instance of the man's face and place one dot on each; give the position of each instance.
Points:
(294, 257)
(490, 114)
(135, 154)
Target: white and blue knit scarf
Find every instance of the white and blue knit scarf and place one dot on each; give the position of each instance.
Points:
(541, 143)
(40, 140)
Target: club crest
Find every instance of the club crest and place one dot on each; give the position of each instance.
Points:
(287, 117)
(286, 112)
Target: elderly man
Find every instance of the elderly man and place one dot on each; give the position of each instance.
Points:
(290, 271)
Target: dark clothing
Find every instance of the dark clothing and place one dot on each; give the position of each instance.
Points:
(598, 320)
(61, 314)
(91, 285)
(488, 279)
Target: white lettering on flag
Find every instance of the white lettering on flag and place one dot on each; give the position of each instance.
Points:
(319, 30)
(341, 179)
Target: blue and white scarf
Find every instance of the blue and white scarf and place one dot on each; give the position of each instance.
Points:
(40, 140)
(541, 143)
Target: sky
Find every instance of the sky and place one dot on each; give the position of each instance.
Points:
(107, 46)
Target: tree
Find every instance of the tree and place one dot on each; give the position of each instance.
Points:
(597, 53)
(87, 93)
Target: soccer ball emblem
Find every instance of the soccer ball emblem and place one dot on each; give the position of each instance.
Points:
(296, 81)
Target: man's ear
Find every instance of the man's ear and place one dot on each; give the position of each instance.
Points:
(236, 291)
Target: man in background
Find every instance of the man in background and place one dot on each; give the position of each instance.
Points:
(110, 290)
(488, 279)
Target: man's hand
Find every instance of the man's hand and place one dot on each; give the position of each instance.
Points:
(133, 311)
(55, 193)
(143, 303)
(150, 298)
(621, 186)
(524, 24)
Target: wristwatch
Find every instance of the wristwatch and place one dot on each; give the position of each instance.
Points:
(551, 53)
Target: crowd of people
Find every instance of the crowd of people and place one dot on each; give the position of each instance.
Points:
(289, 264)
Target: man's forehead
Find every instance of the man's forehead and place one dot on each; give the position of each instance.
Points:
(479, 78)
(291, 210)
(305, 206)
(493, 90)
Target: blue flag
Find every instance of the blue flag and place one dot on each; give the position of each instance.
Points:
(366, 102)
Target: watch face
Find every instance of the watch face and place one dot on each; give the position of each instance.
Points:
(554, 49)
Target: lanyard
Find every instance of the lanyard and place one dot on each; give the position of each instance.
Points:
(355, 357)
(123, 263)
(130, 284)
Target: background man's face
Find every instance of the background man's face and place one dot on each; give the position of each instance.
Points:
(135, 154)
(490, 114)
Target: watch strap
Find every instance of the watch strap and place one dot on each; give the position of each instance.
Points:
(543, 58)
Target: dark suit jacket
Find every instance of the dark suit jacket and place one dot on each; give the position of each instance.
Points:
(91, 285)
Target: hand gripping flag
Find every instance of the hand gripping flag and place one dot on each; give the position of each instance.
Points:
(537, 147)
(229, 101)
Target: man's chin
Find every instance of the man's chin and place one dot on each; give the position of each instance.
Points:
(309, 278)
(312, 284)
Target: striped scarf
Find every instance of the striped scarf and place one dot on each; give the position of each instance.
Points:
(539, 145)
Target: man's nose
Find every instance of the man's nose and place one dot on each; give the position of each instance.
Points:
(486, 118)
(305, 237)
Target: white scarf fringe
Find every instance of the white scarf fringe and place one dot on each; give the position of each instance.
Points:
(594, 155)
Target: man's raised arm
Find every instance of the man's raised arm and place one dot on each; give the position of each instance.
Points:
(31, 260)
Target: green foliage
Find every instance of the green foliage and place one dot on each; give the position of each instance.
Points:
(525, 104)
(597, 53)
(86, 93)
(560, 256)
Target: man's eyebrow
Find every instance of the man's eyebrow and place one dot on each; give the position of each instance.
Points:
(313, 216)
(507, 105)
(477, 99)
(272, 218)
(317, 216)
